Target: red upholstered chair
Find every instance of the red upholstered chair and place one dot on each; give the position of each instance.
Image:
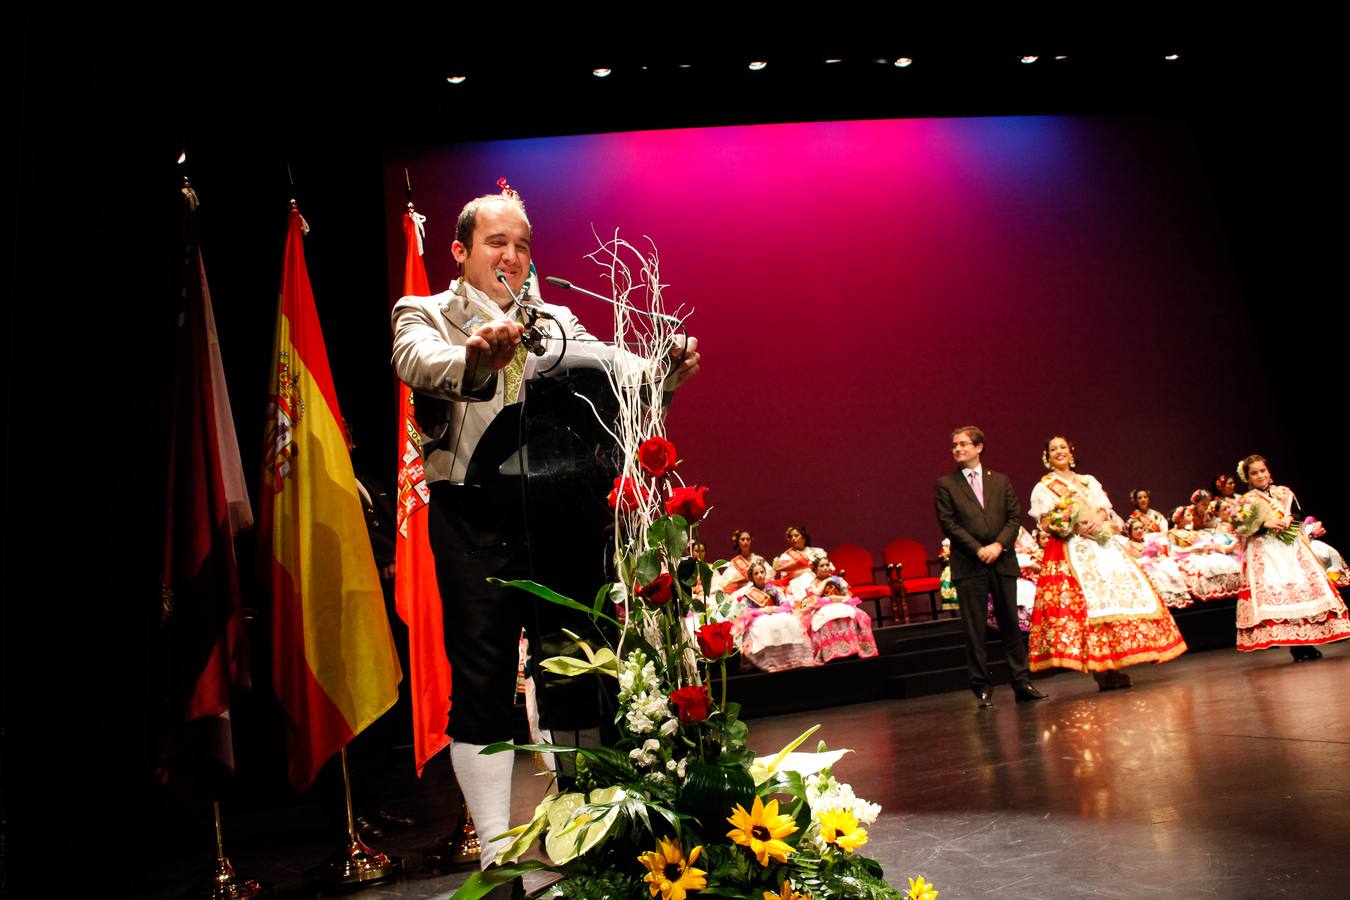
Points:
(907, 567)
(859, 569)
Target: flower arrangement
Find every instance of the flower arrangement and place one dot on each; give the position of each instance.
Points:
(679, 805)
(676, 804)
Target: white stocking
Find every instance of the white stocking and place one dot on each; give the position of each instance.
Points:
(486, 784)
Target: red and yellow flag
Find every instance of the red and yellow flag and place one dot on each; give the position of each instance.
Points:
(334, 668)
(415, 592)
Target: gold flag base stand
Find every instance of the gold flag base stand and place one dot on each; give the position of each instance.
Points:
(459, 850)
(354, 863)
(225, 884)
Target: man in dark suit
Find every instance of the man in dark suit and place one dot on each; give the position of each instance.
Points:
(980, 515)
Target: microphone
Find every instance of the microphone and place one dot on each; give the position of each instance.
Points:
(569, 286)
(533, 339)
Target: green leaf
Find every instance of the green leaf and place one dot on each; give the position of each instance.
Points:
(710, 791)
(553, 596)
(705, 575)
(504, 746)
(600, 597)
(670, 533)
(789, 783)
(525, 835)
(481, 883)
(578, 823)
(614, 763)
(648, 567)
(687, 571)
(605, 663)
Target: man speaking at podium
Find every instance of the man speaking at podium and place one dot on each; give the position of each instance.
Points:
(468, 347)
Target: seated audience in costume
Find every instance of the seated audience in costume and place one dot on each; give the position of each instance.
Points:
(770, 636)
(792, 568)
(1150, 550)
(1206, 554)
(1153, 520)
(736, 574)
(831, 616)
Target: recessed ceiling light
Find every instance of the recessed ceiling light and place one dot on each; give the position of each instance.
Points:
(1030, 59)
(757, 65)
(601, 72)
(881, 62)
(182, 157)
(833, 60)
(455, 79)
(904, 62)
(1172, 57)
(1061, 57)
(684, 65)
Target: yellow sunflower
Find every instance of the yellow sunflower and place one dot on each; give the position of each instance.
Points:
(787, 893)
(762, 829)
(840, 828)
(672, 876)
(921, 890)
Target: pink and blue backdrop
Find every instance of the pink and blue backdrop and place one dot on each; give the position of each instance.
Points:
(862, 287)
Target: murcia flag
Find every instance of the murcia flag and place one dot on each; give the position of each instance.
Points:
(415, 593)
(334, 667)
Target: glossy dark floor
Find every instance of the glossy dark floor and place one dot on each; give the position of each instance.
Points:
(1218, 775)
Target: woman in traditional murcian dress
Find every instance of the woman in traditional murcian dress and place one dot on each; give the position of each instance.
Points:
(1208, 555)
(767, 629)
(1153, 521)
(1150, 550)
(736, 574)
(830, 614)
(1096, 610)
(792, 569)
(1286, 598)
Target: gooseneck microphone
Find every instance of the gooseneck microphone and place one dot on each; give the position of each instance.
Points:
(534, 336)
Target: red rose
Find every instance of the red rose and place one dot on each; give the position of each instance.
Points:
(715, 640)
(692, 703)
(657, 456)
(687, 502)
(658, 591)
(629, 491)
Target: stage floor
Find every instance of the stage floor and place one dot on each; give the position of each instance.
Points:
(1218, 775)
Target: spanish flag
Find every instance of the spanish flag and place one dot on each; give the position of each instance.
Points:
(334, 668)
(415, 593)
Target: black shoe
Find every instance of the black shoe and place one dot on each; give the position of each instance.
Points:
(1305, 654)
(367, 828)
(985, 697)
(392, 819)
(1029, 693)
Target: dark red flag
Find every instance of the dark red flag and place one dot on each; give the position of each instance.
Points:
(204, 649)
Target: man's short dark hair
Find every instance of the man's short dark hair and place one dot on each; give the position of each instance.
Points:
(976, 435)
(468, 216)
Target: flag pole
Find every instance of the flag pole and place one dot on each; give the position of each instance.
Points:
(225, 884)
(354, 863)
(461, 848)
